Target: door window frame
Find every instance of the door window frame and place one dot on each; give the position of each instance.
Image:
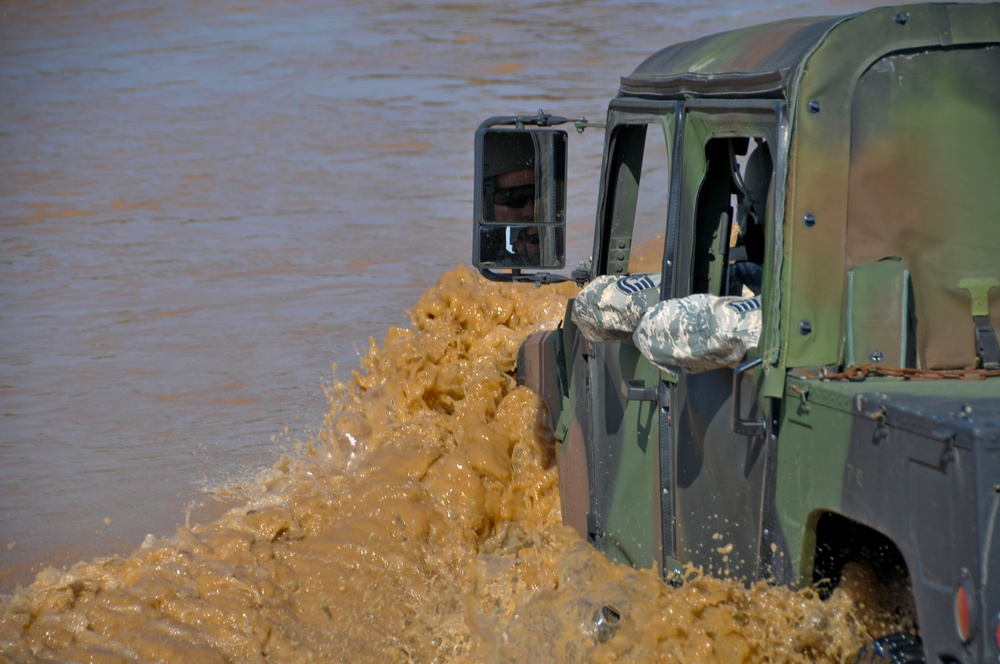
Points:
(623, 155)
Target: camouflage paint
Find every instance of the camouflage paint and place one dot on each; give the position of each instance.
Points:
(926, 111)
(621, 434)
(820, 170)
(626, 456)
(886, 144)
(815, 436)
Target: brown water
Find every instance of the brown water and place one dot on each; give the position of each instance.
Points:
(421, 525)
(204, 206)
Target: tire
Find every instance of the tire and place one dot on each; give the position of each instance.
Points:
(898, 648)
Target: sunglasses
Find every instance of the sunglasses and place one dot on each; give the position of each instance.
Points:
(515, 197)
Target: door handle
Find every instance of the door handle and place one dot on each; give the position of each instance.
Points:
(636, 390)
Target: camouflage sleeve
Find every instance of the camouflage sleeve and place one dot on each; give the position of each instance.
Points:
(699, 332)
(609, 308)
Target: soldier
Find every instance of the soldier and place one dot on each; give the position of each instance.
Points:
(509, 197)
(692, 334)
(699, 332)
(526, 246)
(514, 196)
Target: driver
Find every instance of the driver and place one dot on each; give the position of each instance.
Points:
(509, 197)
(514, 195)
(526, 246)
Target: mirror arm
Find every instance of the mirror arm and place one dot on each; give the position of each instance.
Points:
(581, 274)
(497, 276)
(541, 119)
(582, 124)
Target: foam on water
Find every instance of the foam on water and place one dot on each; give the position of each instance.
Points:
(421, 524)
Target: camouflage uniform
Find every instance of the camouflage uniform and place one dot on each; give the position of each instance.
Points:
(609, 308)
(699, 332)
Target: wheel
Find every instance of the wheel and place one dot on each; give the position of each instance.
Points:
(896, 648)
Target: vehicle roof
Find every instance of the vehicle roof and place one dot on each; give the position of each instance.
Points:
(757, 61)
(754, 61)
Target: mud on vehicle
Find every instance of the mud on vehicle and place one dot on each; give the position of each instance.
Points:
(838, 179)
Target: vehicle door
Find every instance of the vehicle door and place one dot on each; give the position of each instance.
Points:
(623, 450)
(718, 474)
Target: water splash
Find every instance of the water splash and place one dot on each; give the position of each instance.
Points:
(421, 524)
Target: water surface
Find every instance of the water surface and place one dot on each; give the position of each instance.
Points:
(206, 205)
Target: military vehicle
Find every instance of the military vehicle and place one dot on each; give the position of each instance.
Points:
(864, 426)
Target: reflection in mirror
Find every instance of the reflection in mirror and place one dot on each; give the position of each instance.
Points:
(520, 198)
(521, 246)
(508, 176)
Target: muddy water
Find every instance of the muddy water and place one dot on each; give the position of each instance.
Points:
(205, 205)
(421, 525)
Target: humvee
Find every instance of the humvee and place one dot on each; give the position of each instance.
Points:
(864, 427)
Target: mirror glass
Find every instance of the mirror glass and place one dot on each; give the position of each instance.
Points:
(519, 245)
(520, 201)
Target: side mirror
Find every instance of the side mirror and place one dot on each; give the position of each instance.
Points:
(520, 199)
